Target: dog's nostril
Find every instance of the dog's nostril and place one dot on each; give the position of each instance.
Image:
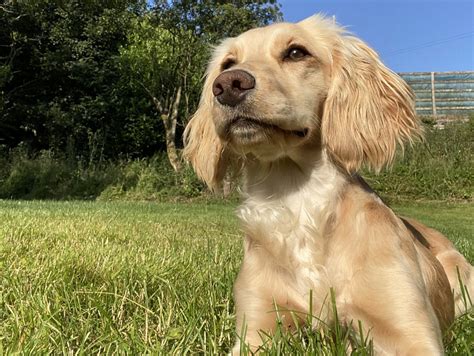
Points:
(217, 89)
(237, 84)
(247, 83)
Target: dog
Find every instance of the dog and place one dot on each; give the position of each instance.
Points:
(296, 110)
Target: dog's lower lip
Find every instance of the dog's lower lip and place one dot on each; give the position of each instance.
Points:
(249, 121)
(242, 121)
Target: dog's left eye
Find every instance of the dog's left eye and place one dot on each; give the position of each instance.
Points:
(295, 53)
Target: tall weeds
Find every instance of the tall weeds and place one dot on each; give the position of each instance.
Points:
(441, 168)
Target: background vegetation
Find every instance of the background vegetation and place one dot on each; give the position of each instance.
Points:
(438, 169)
(94, 96)
(99, 80)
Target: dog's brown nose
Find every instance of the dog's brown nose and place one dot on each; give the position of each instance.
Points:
(230, 88)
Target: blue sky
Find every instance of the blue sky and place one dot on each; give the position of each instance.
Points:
(410, 36)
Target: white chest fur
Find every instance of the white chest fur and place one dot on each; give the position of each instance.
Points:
(283, 217)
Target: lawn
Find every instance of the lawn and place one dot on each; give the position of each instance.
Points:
(89, 277)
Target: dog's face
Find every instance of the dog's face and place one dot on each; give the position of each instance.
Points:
(288, 87)
(267, 88)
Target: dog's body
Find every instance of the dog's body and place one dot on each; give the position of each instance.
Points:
(301, 107)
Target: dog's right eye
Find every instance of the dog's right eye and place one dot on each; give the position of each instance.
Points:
(295, 53)
(228, 63)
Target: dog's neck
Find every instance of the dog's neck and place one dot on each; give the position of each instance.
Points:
(300, 188)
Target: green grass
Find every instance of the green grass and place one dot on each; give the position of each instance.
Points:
(125, 277)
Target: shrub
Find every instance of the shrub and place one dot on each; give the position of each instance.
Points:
(48, 176)
(153, 179)
(439, 168)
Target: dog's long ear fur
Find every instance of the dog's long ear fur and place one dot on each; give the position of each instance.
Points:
(368, 110)
(203, 148)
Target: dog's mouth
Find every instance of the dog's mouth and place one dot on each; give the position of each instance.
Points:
(248, 126)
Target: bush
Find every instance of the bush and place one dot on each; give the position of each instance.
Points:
(439, 168)
(153, 179)
(50, 176)
(47, 176)
(40, 177)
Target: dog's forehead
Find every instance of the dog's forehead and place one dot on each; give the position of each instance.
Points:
(275, 35)
(269, 31)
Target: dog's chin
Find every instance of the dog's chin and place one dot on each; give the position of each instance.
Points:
(245, 132)
(249, 132)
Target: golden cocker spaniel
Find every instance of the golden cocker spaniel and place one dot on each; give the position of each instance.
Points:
(298, 109)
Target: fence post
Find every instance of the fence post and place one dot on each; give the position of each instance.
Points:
(433, 98)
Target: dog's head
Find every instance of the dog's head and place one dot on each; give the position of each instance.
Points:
(286, 87)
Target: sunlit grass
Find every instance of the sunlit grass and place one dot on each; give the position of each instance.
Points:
(88, 277)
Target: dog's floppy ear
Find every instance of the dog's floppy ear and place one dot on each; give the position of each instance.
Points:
(203, 148)
(368, 110)
(208, 154)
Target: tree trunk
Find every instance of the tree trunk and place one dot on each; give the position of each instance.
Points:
(170, 119)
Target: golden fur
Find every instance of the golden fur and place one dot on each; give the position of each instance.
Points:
(311, 223)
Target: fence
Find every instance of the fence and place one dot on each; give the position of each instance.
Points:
(441, 94)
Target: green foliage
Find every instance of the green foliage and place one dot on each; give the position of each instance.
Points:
(148, 278)
(75, 76)
(439, 168)
(153, 179)
(214, 20)
(62, 57)
(48, 176)
(159, 63)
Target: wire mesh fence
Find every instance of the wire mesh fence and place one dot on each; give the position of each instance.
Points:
(442, 93)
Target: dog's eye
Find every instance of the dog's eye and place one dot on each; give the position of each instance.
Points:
(295, 53)
(228, 63)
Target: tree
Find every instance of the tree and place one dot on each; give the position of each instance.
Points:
(168, 49)
(163, 64)
(105, 78)
(60, 80)
(216, 19)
